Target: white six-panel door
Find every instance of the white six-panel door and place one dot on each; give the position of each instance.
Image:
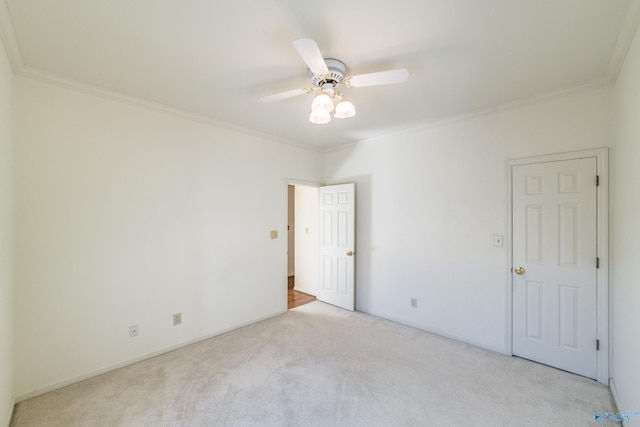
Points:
(554, 264)
(336, 245)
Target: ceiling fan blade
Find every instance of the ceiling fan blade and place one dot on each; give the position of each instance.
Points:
(380, 78)
(285, 95)
(311, 55)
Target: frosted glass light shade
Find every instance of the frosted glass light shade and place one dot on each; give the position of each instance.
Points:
(324, 101)
(344, 110)
(319, 115)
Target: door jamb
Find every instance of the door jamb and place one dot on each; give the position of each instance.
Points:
(602, 247)
(301, 183)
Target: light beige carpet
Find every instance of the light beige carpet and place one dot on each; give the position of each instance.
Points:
(318, 365)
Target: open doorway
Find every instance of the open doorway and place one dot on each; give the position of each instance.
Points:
(302, 244)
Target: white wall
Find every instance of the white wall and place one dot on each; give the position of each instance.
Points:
(430, 201)
(306, 236)
(127, 215)
(625, 224)
(7, 207)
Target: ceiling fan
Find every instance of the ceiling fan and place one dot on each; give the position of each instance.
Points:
(327, 75)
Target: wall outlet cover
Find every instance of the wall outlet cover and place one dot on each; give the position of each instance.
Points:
(133, 331)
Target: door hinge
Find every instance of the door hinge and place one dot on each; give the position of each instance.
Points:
(597, 345)
(597, 262)
(597, 180)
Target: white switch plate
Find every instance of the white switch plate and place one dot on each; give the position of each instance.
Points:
(497, 240)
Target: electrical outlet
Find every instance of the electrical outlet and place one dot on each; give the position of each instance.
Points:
(133, 331)
(177, 319)
(414, 302)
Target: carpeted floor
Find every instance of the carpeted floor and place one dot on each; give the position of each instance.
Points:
(318, 365)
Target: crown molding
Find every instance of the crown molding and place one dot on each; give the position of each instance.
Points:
(10, 42)
(601, 82)
(8, 36)
(627, 33)
(72, 84)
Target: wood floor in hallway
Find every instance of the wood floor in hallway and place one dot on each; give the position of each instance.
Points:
(297, 298)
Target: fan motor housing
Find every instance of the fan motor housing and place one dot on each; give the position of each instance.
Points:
(337, 70)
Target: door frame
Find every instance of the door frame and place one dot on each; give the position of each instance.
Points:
(297, 183)
(602, 274)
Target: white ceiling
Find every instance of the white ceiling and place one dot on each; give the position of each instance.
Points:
(216, 58)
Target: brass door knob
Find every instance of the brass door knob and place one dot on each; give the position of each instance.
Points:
(519, 270)
(350, 253)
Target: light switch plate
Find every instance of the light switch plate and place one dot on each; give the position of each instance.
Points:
(497, 240)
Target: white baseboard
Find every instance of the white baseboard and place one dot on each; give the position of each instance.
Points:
(40, 391)
(7, 423)
(502, 350)
(616, 399)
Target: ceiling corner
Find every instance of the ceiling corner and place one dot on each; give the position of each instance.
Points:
(8, 36)
(628, 31)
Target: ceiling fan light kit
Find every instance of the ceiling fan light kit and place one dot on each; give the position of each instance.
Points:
(329, 101)
(322, 100)
(319, 116)
(344, 110)
(327, 74)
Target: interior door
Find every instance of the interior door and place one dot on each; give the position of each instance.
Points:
(336, 245)
(554, 264)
